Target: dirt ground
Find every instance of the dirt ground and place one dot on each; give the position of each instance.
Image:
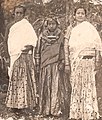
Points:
(6, 114)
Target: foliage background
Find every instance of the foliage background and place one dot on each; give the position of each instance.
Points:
(63, 10)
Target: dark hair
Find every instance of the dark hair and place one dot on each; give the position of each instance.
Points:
(52, 19)
(20, 6)
(80, 7)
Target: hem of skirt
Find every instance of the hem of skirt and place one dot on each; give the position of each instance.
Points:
(18, 107)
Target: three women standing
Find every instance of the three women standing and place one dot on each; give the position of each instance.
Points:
(81, 57)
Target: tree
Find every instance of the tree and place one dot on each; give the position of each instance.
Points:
(2, 25)
(55, 7)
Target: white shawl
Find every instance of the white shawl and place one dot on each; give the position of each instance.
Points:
(21, 34)
(83, 36)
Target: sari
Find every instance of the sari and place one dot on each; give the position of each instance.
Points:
(84, 45)
(22, 84)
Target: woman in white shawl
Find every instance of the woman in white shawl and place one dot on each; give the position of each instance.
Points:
(82, 54)
(21, 43)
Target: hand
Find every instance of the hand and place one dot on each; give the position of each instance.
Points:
(25, 51)
(67, 69)
(28, 46)
(38, 69)
(61, 66)
(8, 62)
(98, 66)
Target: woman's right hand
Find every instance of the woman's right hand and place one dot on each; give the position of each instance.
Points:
(67, 69)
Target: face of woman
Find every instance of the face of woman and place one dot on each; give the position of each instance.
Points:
(52, 25)
(19, 14)
(80, 15)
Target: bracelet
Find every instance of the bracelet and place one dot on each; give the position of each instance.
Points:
(37, 57)
(67, 65)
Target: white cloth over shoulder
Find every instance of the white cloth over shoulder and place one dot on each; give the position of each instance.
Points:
(82, 37)
(21, 34)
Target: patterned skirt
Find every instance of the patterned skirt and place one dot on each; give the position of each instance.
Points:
(84, 103)
(22, 85)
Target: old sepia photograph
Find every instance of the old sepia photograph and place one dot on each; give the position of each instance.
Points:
(50, 59)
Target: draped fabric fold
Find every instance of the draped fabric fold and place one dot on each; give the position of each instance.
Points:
(20, 35)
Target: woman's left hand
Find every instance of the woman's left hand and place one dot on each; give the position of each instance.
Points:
(28, 47)
(61, 66)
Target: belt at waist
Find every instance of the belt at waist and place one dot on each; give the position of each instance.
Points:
(87, 57)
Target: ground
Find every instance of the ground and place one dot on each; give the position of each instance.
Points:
(5, 114)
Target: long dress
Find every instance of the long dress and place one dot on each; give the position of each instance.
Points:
(52, 84)
(84, 43)
(22, 83)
